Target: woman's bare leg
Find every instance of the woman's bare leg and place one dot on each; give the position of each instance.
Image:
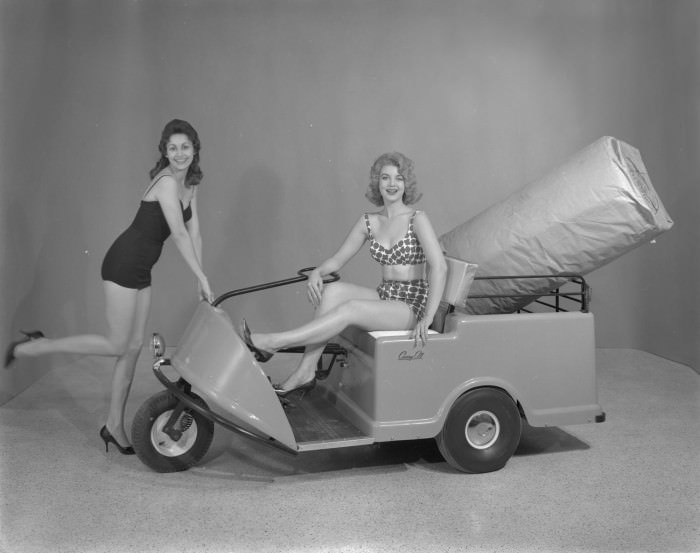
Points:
(333, 295)
(342, 305)
(125, 368)
(120, 307)
(127, 311)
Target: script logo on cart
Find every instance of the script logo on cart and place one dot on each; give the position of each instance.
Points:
(416, 356)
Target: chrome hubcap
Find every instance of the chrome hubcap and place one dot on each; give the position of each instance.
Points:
(482, 430)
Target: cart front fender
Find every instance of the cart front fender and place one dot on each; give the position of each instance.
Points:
(215, 361)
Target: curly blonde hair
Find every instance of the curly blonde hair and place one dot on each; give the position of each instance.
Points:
(405, 169)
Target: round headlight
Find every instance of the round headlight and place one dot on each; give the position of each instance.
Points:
(157, 345)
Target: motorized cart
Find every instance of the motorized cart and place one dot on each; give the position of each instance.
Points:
(469, 387)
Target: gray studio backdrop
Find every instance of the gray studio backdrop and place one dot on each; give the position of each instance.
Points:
(293, 100)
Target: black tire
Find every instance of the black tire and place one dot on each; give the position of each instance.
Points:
(481, 432)
(156, 449)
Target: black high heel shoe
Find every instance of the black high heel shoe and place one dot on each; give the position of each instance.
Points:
(28, 336)
(106, 435)
(302, 389)
(261, 355)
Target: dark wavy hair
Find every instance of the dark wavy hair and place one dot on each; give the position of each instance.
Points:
(178, 126)
(405, 169)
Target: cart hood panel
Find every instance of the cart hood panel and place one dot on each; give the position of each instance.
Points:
(215, 361)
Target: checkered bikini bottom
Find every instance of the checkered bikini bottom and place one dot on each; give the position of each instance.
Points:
(414, 293)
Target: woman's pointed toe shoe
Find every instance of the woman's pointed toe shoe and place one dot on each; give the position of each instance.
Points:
(261, 355)
(28, 336)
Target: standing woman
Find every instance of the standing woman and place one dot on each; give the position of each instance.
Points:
(168, 206)
(403, 242)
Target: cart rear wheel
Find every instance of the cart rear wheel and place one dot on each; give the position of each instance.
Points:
(482, 431)
(157, 449)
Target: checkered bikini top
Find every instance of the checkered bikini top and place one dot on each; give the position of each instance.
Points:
(406, 251)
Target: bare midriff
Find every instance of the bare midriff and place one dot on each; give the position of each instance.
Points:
(403, 272)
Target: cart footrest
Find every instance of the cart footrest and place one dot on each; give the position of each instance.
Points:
(316, 419)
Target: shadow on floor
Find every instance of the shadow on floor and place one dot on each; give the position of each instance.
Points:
(237, 457)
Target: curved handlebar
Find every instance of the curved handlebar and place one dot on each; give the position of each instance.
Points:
(332, 277)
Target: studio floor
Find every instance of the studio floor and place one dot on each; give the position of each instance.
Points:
(631, 484)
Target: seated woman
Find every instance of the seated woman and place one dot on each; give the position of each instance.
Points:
(404, 243)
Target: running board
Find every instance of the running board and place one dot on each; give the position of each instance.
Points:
(333, 444)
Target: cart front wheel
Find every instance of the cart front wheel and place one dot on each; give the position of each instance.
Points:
(163, 452)
(482, 431)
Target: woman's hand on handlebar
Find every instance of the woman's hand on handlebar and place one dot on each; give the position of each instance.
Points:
(314, 287)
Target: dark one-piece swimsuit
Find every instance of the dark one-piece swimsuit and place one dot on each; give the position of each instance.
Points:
(131, 257)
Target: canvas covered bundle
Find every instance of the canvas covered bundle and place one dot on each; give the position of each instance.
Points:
(587, 212)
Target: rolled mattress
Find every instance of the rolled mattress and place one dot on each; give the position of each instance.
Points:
(584, 214)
